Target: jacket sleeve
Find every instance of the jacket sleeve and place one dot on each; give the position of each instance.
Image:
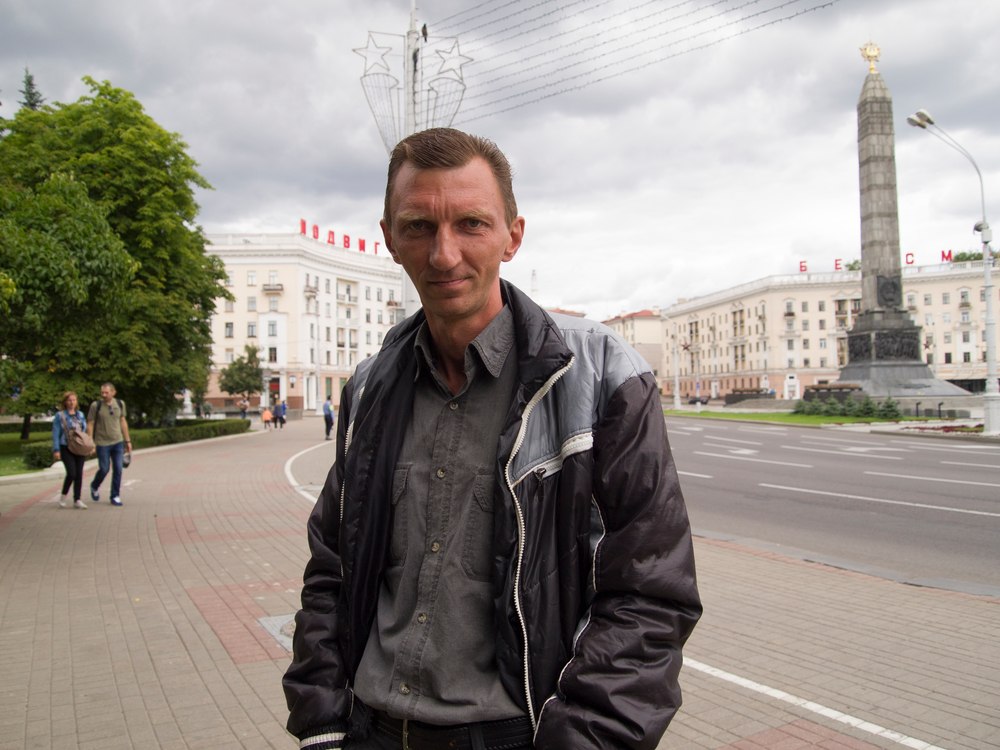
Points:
(619, 688)
(57, 432)
(316, 687)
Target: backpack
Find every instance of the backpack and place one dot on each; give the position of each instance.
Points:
(79, 443)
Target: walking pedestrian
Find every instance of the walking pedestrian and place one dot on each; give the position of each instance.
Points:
(69, 419)
(107, 426)
(244, 405)
(266, 418)
(280, 411)
(328, 415)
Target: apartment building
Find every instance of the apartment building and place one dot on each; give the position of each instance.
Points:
(783, 333)
(644, 331)
(314, 310)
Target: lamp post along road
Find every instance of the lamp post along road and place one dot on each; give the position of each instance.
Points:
(677, 379)
(991, 400)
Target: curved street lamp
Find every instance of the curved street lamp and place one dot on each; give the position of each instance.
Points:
(991, 400)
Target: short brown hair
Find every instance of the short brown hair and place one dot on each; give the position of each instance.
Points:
(448, 148)
(65, 398)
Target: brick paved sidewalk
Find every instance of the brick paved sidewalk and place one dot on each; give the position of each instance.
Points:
(147, 626)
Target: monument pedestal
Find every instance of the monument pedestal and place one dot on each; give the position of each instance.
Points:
(884, 351)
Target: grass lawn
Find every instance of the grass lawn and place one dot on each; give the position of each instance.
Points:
(786, 418)
(14, 464)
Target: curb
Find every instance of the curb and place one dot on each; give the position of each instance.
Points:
(56, 471)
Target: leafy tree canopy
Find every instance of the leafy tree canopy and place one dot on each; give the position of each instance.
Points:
(854, 265)
(964, 256)
(143, 177)
(64, 265)
(243, 375)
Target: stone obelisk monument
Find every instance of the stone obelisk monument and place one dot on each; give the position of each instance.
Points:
(884, 344)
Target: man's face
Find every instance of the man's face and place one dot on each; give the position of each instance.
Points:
(449, 234)
(107, 393)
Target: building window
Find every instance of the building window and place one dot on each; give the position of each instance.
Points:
(251, 330)
(368, 292)
(328, 333)
(805, 343)
(390, 295)
(229, 330)
(821, 306)
(347, 291)
(272, 328)
(347, 313)
(252, 304)
(805, 325)
(368, 316)
(392, 317)
(928, 319)
(272, 303)
(272, 277)
(378, 315)
(822, 343)
(272, 354)
(789, 307)
(229, 279)
(368, 337)
(229, 356)
(965, 316)
(229, 305)
(982, 295)
(947, 358)
(328, 356)
(328, 291)
(822, 361)
(328, 309)
(791, 345)
(378, 294)
(963, 297)
(789, 325)
(946, 298)
(791, 364)
(946, 317)
(966, 356)
(805, 307)
(312, 331)
(911, 300)
(930, 359)
(251, 278)
(965, 337)
(927, 300)
(805, 362)
(379, 338)
(312, 356)
(947, 338)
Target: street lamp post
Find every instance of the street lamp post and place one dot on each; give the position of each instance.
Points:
(677, 382)
(991, 399)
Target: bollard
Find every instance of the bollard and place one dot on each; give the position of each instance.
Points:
(940, 404)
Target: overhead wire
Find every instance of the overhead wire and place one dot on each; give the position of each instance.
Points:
(646, 64)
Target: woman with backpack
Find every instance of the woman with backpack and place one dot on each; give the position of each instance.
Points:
(70, 420)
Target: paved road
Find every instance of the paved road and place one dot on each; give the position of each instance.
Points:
(908, 508)
(155, 625)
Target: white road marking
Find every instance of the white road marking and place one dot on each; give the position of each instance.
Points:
(766, 430)
(843, 452)
(981, 466)
(291, 478)
(932, 479)
(734, 440)
(881, 500)
(692, 474)
(963, 449)
(841, 440)
(755, 460)
(816, 708)
(733, 450)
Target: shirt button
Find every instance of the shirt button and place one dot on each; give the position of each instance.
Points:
(435, 547)
(453, 406)
(421, 618)
(404, 689)
(442, 473)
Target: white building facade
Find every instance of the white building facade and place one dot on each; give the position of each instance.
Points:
(313, 310)
(783, 333)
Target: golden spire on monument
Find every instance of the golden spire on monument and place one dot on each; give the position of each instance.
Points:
(871, 53)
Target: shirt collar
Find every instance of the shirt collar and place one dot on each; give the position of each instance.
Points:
(492, 346)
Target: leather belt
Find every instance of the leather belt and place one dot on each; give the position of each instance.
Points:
(506, 734)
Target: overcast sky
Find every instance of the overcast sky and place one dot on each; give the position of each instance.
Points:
(714, 167)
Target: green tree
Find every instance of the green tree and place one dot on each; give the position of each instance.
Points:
(33, 98)
(143, 177)
(244, 375)
(854, 265)
(65, 265)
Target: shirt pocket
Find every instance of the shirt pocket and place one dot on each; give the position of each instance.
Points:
(477, 554)
(400, 511)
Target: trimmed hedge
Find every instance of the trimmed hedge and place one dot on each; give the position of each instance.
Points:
(39, 455)
(37, 425)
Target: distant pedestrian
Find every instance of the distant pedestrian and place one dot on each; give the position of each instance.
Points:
(244, 405)
(207, 409)
(328, 415)
(266, 418)
(280, 411)
(107, 426)
(69, 419)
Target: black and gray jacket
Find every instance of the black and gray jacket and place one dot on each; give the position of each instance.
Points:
(594, 576)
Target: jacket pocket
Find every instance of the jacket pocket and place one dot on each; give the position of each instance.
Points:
(477, 555)
(397, 546)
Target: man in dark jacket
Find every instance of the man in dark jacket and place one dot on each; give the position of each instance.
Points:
(501, 556)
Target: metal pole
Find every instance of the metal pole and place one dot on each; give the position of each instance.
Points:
(677, 383)
(410, 299)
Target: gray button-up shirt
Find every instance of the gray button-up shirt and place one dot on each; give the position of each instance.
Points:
(431, 654)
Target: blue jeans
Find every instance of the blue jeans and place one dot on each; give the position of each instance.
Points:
(109, 456)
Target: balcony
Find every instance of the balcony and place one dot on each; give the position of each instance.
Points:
(393, 303)
(354, 345)
(310, 291)
(789, 313)
(273, 288)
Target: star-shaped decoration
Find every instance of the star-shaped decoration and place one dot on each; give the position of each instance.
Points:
(374, 55)
(452, 60)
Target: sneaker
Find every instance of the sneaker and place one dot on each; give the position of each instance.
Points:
(79, 504)
(62, 501)
(95, 495)
(116, 501)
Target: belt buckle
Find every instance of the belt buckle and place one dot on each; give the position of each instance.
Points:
(406, 733)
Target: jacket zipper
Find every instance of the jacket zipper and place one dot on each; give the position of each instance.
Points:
(521, 531)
